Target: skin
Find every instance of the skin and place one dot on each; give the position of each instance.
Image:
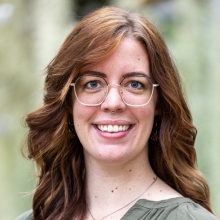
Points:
(118, 161)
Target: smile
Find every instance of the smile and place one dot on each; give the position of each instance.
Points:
(113, 128)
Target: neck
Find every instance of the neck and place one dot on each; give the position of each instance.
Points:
(109, 187)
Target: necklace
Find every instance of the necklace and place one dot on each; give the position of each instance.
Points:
(124, 205)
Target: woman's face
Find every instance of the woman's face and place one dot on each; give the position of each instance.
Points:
(133, 124)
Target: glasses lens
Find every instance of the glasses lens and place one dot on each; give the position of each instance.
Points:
(90, 90)
(136, 90)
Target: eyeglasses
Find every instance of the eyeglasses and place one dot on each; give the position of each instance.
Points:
(91, 90)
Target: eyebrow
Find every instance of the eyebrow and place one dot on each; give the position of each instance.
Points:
(94, 73)
(130, 74)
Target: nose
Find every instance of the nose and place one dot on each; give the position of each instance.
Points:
(113, 101)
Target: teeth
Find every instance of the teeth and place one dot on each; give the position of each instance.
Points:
(113, 128)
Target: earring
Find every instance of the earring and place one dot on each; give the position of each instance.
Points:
(154, 136)
(71, 129)
(155, 131)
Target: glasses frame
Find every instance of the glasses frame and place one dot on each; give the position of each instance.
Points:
(113, 84)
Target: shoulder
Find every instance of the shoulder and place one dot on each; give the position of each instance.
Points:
(25, 216)
(171, 209)
(184, 208)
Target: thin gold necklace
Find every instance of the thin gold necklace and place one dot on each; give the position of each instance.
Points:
(124, 205)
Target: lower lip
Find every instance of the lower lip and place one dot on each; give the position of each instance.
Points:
(112, 135)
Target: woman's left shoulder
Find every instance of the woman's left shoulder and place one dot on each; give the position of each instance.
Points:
(187, 209)
(179, 208)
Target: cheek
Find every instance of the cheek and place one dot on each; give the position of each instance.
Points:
(82, 116)
(77, 116)
(146, 119)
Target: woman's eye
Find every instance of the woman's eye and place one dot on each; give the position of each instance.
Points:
(92, 85)
(135, 85)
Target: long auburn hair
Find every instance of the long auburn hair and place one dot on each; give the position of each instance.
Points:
(60, 192)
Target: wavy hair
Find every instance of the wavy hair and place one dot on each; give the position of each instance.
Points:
(60, 192)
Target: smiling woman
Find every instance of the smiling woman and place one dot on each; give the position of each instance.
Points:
(114, 138)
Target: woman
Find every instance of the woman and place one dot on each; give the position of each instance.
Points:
(114, 138)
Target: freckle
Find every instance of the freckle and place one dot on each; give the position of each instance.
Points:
(148, 194)
(95, 196)
(129, 170)
(116, 188)
(112, 191)
(130, 189)
(160, 190)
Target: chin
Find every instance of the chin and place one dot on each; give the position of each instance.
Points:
(114, 158)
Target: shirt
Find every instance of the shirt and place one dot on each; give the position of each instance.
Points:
(171, 209)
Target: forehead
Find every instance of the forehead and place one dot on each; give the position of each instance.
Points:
(129, 56)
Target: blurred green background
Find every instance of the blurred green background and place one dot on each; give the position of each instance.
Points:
(31, 33)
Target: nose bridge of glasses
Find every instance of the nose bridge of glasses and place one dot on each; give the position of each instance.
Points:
(113, 98)
(114, 85)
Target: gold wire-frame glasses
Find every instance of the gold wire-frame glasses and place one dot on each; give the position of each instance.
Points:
(92, 90)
